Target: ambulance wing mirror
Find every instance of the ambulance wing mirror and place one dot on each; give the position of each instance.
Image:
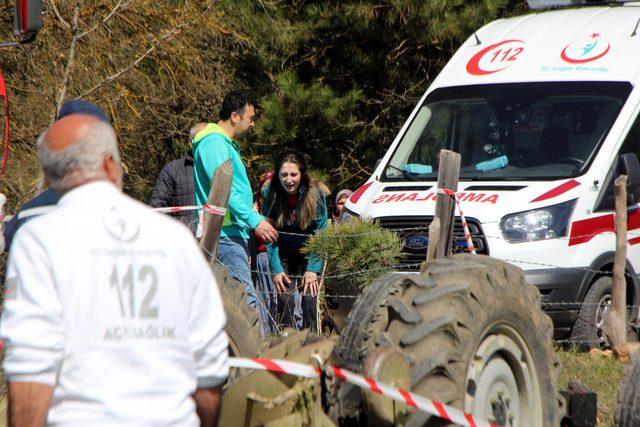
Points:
(26, 21)
(630, 166)
(543, 4)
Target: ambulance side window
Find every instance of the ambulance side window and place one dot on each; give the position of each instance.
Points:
(631, 144)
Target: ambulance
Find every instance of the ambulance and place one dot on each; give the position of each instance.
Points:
(544, 111)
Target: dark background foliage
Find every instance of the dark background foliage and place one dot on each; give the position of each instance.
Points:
(334, 78)
(338, 78)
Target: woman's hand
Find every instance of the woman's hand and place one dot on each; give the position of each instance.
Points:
(310, 282)
(281, 280)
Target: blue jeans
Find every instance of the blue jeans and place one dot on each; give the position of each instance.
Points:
(268, 297)
(267, 293)
(233, 253)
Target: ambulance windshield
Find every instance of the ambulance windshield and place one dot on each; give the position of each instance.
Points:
(519, 131)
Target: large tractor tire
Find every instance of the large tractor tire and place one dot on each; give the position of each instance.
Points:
(472, 335)
(628, 408)
(243, 325)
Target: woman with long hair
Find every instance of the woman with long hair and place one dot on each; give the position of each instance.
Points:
(295, 203)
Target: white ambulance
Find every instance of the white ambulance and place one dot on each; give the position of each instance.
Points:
(542, 109)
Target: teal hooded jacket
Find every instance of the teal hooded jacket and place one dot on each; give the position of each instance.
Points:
(211, 148)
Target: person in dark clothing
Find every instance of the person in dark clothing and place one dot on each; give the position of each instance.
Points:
(297, 206)
(341, 199)
(37, 206)
(48, 199)
(175, 185)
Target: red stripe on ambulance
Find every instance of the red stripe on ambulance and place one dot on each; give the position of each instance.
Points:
(359, 192)
(561, 189)
(584, 230)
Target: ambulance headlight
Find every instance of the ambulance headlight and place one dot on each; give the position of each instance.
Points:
(348, 215)
(538, 224)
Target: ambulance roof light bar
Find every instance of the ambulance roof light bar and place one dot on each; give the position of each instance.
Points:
(545, 4)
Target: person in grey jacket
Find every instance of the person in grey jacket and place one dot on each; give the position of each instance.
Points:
(175, 185)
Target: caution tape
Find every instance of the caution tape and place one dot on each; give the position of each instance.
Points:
(465, 226)
(396, 393)
(275, 365)
(215, 210)
(41, 210)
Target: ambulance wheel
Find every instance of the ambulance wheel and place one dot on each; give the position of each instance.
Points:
(473, 336)
(628, 408)
(243, 325)
(587, 331)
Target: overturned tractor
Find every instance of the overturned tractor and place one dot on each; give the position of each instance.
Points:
(468, 331)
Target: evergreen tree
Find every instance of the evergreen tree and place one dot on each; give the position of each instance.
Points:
(337, 78)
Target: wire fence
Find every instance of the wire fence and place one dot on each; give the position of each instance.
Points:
(574, 308)
(425, 228)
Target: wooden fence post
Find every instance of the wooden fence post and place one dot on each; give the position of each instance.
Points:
(448, 175)
(434, 236)
(615, 325)
(211, 223)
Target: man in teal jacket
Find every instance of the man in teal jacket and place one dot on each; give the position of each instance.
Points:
(213, 146)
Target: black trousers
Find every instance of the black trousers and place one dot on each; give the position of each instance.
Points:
(295, 264)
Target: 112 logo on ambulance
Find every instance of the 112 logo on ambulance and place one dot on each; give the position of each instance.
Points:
(496, 57)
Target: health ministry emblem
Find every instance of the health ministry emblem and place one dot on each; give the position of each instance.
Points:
(588, 49)
(120, 227)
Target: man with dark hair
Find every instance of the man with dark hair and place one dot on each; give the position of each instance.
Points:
(213, 146)
(175, 187)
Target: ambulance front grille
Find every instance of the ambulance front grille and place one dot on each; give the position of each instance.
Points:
(414, 231)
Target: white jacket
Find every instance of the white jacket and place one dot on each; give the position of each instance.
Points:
(115, 307)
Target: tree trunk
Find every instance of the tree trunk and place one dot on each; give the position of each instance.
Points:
(615, 326)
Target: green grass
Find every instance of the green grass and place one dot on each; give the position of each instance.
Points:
(600, 374)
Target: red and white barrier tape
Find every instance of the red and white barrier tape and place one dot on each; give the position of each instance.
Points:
(396, 393)
(465, 226)
(39, 210)
(275, 365)
(215, 210)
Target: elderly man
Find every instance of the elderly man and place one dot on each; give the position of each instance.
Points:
(112, 316)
